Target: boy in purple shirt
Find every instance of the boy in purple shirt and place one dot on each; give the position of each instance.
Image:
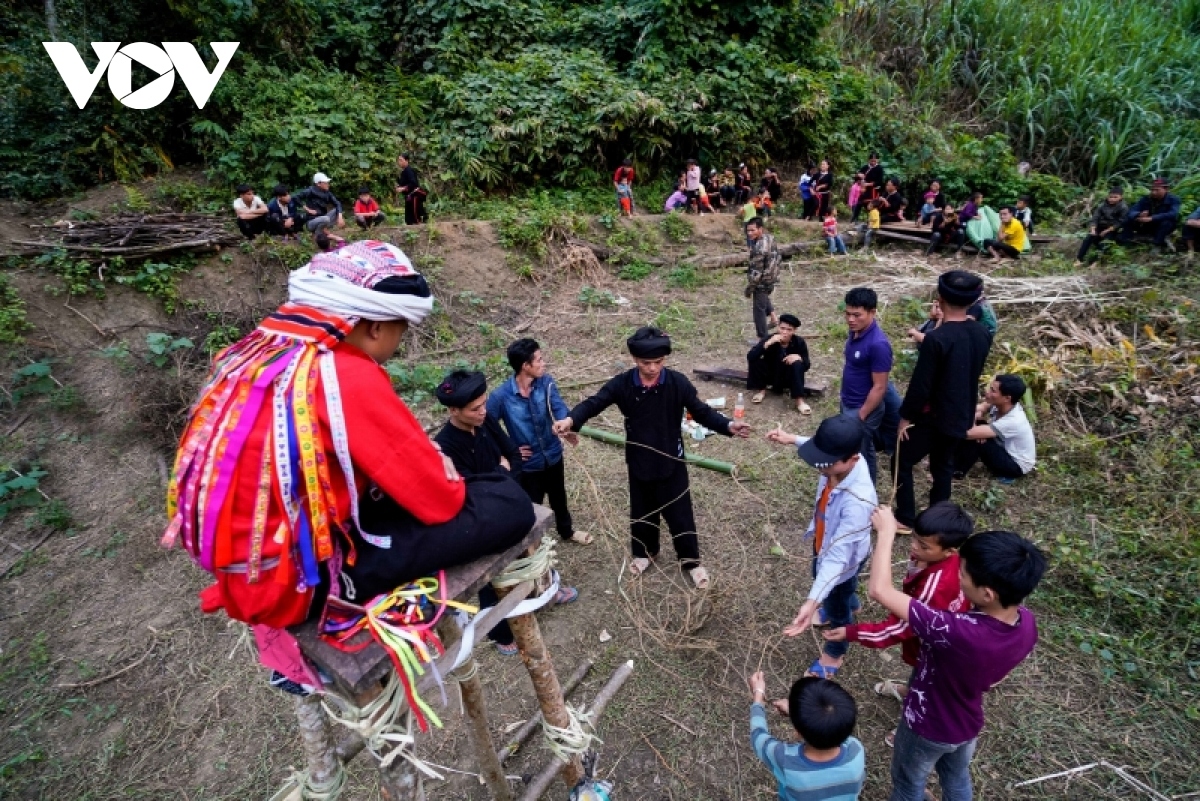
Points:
(868, 356)
(963, 655)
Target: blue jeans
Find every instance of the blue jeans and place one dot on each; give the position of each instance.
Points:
(836, 245)
(839, 608)
(914, 757)
(870, 427)
(885, 437)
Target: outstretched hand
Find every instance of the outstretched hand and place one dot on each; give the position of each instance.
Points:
(739, 429)
(835, 635)
(563, 427)
(757, 682)
(884, 520)
(803, 620)
(782, 437)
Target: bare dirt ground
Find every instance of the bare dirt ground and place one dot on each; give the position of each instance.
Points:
(113, 685)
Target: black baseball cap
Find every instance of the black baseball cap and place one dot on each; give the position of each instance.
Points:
(837, 438)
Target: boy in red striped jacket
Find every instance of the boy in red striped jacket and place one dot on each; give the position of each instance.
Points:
(932, 579)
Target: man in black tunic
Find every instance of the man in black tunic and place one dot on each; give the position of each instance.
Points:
(652, 399)
(780, 361)
(409, 185)
(478, 446)
(939, 407)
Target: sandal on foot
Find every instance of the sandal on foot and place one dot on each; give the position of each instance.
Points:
(821, 671)
(581, 538)
(639, 565)
(699, 577)
(565, 595)
(803, 407)
(507, 650)
(891, 687)
(757, 397)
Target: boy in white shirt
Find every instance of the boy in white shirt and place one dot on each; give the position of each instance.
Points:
(251, 212)
(1002, 437)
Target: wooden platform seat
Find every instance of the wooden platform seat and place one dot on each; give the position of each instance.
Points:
(361, 677)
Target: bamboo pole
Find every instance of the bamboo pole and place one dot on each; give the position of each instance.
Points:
(690, 458)
(531, 725)
(542, 781)
(475, 708)
(534, 654)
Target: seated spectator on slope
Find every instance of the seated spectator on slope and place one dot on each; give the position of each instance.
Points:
(283, 214)
(763, 203)
(251, 212)
(1011, 238)
(780, 362)
(1156, 215)
(1024, 213)
(322, 208)
(1002, 437)
(933, 203)
(946, 230)
(970, 209)
(1191, 230)
(894, 202)
(729, 187)
(366, 210)
(677, 200)
(1107, 220)
(770, 182)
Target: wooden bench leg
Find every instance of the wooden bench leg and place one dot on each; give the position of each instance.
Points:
(319, 753)
(528, 636)
(475, 706)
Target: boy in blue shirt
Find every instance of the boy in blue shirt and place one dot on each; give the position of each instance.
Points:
(829, 764)
(840, 531)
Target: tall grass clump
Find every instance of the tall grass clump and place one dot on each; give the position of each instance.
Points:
(1086, 89)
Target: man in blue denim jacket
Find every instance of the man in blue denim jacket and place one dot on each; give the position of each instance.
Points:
(528, 404)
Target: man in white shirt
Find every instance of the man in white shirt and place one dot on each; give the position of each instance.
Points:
(1002, 437)
(251, 212)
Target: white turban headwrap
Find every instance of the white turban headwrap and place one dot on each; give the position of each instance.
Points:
(340, 282)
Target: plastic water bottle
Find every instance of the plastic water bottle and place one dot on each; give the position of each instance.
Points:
(739, 408)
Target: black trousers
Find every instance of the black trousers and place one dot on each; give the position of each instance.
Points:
(550, 481)
(767, 372)
(810, 207)
(669, 499)
(495, 515)
(923, 440)
(1160, 230)
(937, 239)
(252, 227)
(414, 207)
(993, 455)
(1006, 249)
(1093, 240)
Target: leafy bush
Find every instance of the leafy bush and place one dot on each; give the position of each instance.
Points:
(1107, 88)
(635, 271)
(13, 323)
(676, 227)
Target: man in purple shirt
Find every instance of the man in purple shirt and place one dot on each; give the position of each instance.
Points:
(963, 655)
(868, 356)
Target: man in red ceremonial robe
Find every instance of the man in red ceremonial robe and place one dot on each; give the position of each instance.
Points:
(301, 473)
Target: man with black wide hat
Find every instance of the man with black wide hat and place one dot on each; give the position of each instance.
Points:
(939, 407)
(652, 398)
(478, 446)
(780, 361)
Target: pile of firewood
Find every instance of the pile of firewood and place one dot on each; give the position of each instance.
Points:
(132, 236)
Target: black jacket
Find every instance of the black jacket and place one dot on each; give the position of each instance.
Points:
(945, 383)
(652, 417)
(776, 352)
(479, 453)
(319, 200)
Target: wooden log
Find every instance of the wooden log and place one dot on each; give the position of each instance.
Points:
(535, 722)
(815, 386)
(475, 709)
(535, 655)
(319, 754)
(543, 780)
